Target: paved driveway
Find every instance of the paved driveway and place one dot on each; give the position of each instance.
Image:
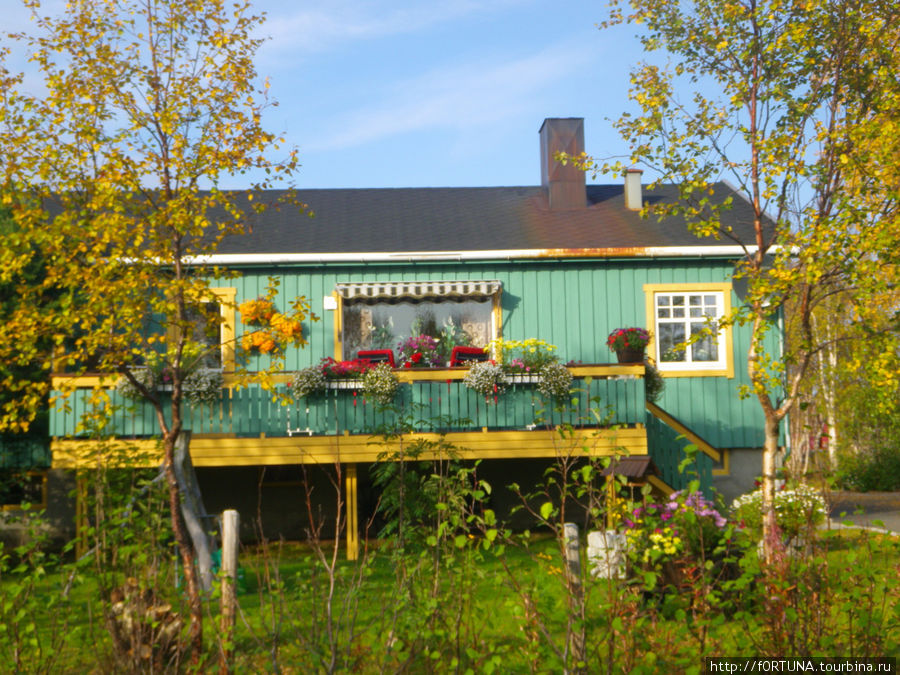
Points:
(864, 508)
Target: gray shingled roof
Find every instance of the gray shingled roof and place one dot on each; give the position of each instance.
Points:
(469, 219)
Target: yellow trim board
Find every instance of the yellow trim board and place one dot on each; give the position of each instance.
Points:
(726, 289)
(226, 297)
(338, 326)
(680, 427)
(660, 485)
(33, 506)
(725, 469)
(403, 374)
(255, 451)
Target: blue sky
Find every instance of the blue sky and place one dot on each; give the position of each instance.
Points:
(378, 93)
(407, 93)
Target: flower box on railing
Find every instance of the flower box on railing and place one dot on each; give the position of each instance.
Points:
(522, 378)
(343, 384)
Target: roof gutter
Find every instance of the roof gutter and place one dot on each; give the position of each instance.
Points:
(227, 259)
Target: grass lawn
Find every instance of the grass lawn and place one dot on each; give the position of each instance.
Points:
(471, 610)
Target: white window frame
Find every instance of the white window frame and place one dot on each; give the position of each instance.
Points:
(724, 365)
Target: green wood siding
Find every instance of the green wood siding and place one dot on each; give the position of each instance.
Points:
(667, 449)
(573, 304)
(24, 452)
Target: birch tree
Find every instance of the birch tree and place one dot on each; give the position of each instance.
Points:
(787, 101)
(111, 172)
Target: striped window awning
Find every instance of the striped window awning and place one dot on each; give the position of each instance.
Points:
(417, 290)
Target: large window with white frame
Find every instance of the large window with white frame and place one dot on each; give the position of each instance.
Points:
(687, 338)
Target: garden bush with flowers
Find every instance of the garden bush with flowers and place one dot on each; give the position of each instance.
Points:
(797, 509)
(677, 539)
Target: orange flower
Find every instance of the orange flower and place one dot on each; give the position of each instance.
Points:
(256, 312)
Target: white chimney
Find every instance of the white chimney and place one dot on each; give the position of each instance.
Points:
(634, 200)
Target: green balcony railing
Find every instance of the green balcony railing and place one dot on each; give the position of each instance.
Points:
(602, 396)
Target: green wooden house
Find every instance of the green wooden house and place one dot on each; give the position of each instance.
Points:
(562, 262)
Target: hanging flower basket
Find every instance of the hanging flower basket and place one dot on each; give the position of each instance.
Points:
(380, 384)
(487, 378)
(555, 381)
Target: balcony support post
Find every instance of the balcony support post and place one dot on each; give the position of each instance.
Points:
(352, 523)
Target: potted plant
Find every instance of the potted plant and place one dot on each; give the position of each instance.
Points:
(523, 360)
(327, 374)
(203, 386)
(376, 381)
(629, 344)
(419, 351)
(653, 383)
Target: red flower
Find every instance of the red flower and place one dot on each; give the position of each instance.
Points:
(415, 358)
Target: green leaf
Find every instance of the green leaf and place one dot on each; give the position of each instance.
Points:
(546, 510)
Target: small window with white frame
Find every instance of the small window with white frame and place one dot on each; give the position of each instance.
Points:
(687, 338)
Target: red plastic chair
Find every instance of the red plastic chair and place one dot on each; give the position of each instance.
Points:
(377, 356)
(461, 355)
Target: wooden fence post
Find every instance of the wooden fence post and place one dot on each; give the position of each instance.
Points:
(230, 540)
(576, 597)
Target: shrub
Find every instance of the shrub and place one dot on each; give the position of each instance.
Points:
(686, 526)
(796, 510)
(876, 470)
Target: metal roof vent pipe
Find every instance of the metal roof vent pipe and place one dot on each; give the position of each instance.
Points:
(634, 199)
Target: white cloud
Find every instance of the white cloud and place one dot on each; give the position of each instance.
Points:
(321, 28)
(454, 97)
